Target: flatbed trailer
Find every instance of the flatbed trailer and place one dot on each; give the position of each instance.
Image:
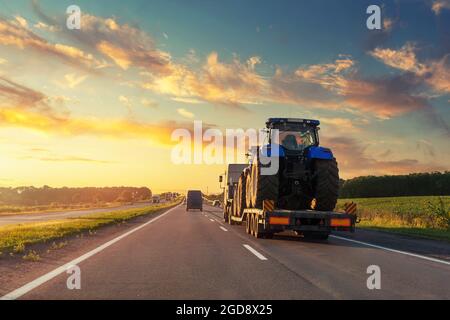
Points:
(263, 223)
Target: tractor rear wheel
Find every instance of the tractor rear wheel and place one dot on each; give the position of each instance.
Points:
(326, 184)
(263, 187)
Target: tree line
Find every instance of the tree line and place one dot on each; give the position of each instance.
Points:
(32, 196)
(415, 184)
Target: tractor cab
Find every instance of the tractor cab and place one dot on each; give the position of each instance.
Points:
(294, 134)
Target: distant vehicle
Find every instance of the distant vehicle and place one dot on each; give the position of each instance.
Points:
(216, 203)
(156, 199)
(194, 200)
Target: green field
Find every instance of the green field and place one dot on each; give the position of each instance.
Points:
(427, 216)
(15, 238)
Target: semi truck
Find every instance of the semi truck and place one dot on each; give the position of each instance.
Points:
(299, 196)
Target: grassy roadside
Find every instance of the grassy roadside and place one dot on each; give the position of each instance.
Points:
(6, 210)
(424, 216)
(15, 238)
(426, 233)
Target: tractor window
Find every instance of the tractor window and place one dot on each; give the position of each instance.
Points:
(297, 140)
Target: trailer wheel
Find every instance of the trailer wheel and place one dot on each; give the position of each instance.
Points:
(258, 232)
(248, 223)
(263, 187)
(230, 221)
(226, 214)
(326, 184)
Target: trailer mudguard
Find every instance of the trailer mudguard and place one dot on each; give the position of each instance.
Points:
(316, 152)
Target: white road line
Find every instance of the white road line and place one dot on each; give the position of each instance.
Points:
(212, 220)
(256, 253)
(393, 250)
(52, 274)
(224, 229)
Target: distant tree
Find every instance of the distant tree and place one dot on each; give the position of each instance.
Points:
(125, 196)
(415, 184)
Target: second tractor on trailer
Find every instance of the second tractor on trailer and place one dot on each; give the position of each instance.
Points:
(299, 196)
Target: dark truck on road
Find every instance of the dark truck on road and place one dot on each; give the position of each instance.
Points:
(194, 200)
(300, 196)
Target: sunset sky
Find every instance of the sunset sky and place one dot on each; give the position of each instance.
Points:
(96, 106)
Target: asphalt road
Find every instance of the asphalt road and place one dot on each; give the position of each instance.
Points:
(38, 217)
(193, 255)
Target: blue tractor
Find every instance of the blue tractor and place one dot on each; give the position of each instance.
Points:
(307, 175)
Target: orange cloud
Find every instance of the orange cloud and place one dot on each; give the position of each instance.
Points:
(16, 33)
(435, 73)
(23, 107)
(439, 5)
(403, 59)
(336, 85)
(125, 45)
(231, 84)
(110, 128)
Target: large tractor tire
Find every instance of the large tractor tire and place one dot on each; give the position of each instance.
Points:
(248, 186)
(263, 187)
(240, 196)
(326, 184)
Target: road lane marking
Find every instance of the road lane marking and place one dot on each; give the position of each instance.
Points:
(256, 253)
(393, 250)
(224, 229)
(212, 220)
(52, 274)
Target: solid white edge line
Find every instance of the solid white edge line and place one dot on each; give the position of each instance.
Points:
(15, 294)
(256, 253)
(393, 250)
(224, 229)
